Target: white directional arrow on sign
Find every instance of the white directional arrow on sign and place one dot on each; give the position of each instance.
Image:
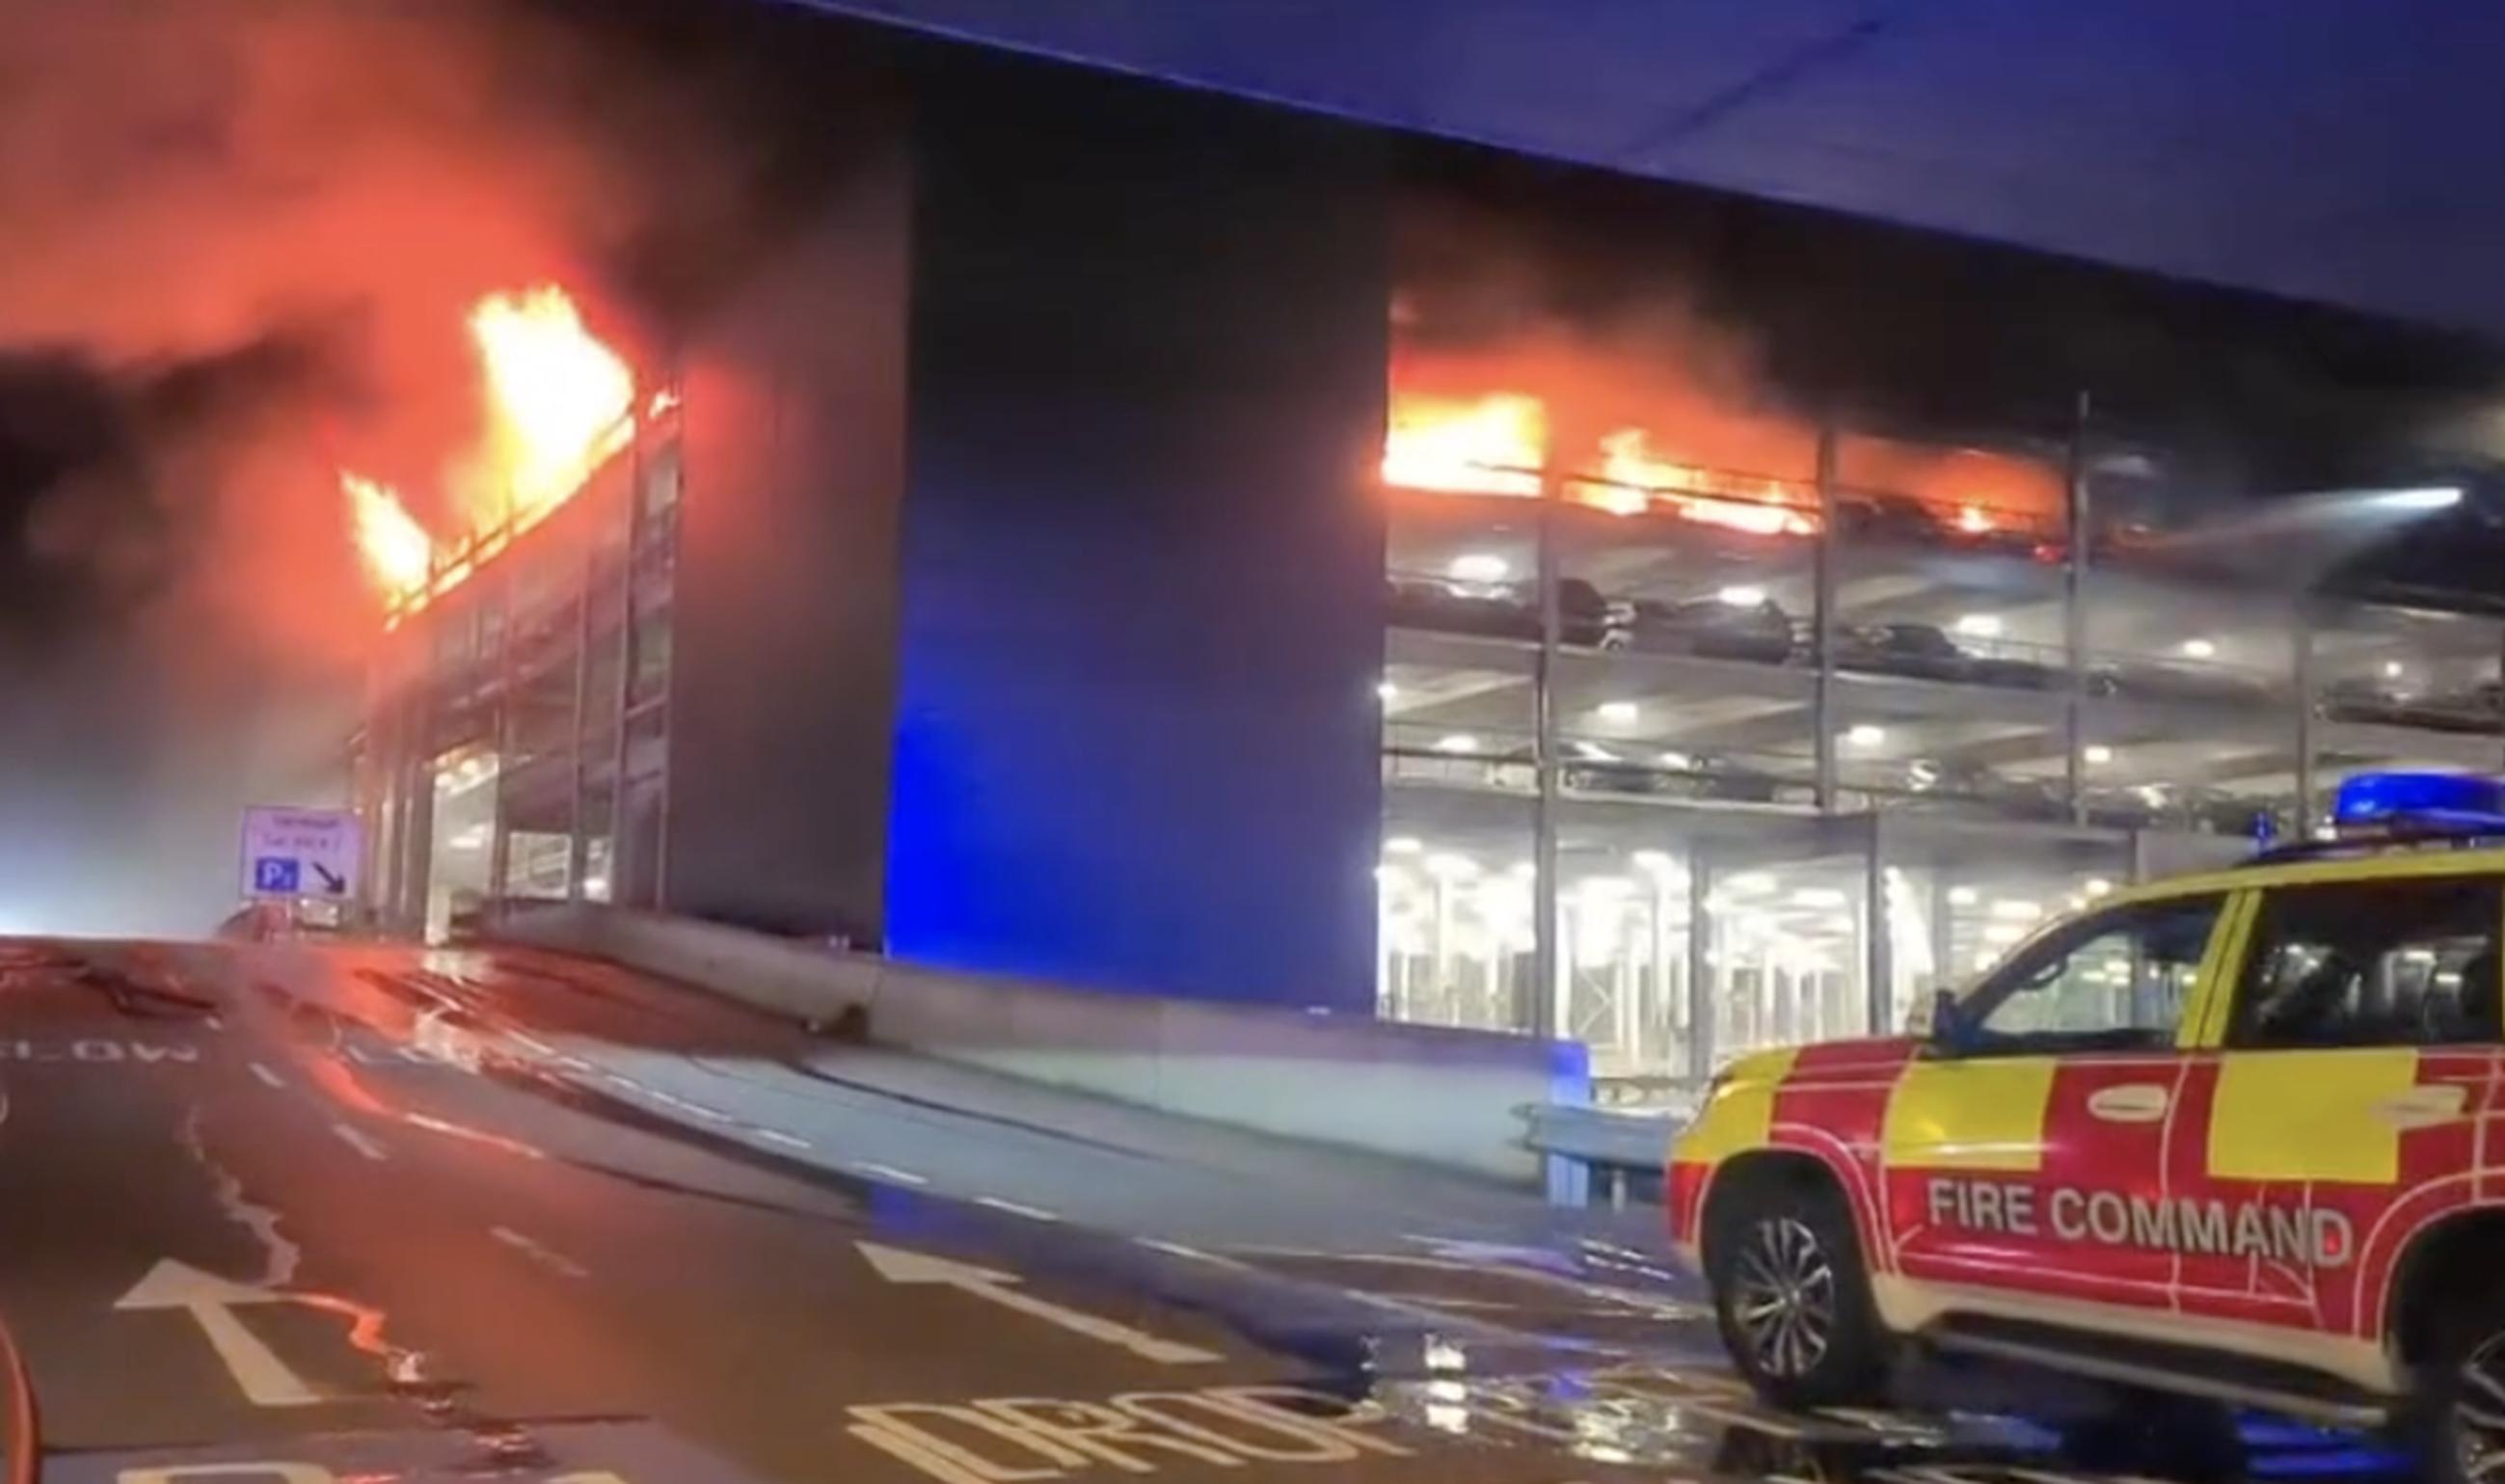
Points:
(897, 1265)
(265, 1379)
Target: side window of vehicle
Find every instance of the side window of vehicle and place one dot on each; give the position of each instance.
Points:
(2120, 978)
(2392, 963)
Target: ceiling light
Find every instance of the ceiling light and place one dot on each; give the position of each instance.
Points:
(1748, 881)
(1963, 896)
(1523, 870)
(1460, 742)
(1819, 897)
(2003, 934)
(1452, 868)
(1865, 734)
(2096, 753)
(1743, 596)
(1979, 626)
(2394, 669)
(1387, 691)
(2016, 911)
(1657, 862)
(1404, 845)
(1479, 567)
(2200, 649)
(1620, 713)
(2096, 886)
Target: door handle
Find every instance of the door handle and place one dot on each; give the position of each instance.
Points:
(2425, 1107)
(2129, 1103)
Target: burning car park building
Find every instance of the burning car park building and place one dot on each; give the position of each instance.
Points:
(1149, 542)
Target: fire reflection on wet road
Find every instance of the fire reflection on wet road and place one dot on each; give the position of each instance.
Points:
(380, 1214)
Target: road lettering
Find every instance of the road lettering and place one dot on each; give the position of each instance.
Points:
(98, 1051)
(1017, 1439)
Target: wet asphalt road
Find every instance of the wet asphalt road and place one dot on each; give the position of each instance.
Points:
(374, 1213)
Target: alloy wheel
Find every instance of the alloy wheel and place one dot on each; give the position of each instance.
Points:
(2479, 1411)
(1783, 1299)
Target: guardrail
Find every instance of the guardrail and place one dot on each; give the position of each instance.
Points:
(1577, 1139)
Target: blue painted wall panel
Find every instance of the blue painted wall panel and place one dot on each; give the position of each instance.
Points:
(1136, 740)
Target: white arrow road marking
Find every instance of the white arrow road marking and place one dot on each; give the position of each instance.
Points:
(268, 1079)
(897, 1265)
(258, 1371)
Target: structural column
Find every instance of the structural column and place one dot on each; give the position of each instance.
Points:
(2074, 612)
(1822, 619)
(1546, 994)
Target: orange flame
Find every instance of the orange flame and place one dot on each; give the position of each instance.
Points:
(1759, 504)
(395, 550)
(1495, 445)
(559, 401)
(1498, 445)
(559, 405)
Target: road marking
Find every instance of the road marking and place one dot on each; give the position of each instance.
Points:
(213, 1023)
(1178, 1249)
(890, 1172)
(1140, 1432)
(898, 1265)
(553, 1262)
(268, 1079)
(673, 1100)
(777, 1136)
(1036, 1212)
(259, 1373)
(362, 1144)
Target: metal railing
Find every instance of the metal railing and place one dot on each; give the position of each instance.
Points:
(1578, 1140)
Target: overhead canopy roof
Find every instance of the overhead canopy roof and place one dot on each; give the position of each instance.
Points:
(2346, 151)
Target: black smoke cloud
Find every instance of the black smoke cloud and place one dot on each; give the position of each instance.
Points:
(237, 238)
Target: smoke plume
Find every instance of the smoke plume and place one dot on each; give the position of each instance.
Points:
(236, 241)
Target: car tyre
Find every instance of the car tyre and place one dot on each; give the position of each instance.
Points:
(2457, 1413)
(1792, 1297)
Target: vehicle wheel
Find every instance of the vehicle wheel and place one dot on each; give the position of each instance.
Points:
(2457, 1414)
(1793, 1299)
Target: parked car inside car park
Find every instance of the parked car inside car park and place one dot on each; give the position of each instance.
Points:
(2223, 1135)
(1712, 628)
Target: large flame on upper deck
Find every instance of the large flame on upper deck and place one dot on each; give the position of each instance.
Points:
(395, 550)
(558, 405)
(559, 401)
(1501, 443)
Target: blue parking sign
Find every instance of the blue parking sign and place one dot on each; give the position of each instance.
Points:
(276, 874)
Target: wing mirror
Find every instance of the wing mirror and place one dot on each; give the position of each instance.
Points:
(1943, 1023)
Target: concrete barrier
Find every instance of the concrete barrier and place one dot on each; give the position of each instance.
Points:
(1427, 1093)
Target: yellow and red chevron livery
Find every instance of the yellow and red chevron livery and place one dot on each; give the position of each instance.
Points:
(2296, 1157)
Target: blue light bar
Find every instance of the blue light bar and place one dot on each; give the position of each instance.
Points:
(2419, 803)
